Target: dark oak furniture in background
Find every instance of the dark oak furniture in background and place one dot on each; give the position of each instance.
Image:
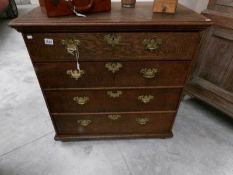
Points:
(134, 65)
(212, 77)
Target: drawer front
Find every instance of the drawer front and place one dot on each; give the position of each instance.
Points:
(114, 123)
(108, 100)
(112, 74)
(45, 47)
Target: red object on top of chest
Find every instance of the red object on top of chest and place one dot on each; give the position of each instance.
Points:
(65, 7)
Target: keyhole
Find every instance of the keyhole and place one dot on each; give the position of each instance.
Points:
(164, 8)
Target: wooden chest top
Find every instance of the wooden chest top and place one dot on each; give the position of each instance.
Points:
(121, 19)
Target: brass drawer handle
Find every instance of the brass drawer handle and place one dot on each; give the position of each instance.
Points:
(148, 72)
(113, 67)
(84, 123)
(142, 120)
(115, 94)
(71, 45)
(152, 44)
(81, 100)
(75, 74)
(112, 39)
(114, 116)
(145, 98)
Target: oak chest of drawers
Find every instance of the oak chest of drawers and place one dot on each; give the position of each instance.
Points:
(112, 75)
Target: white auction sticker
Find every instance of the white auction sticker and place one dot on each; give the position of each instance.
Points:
(29, 36)
(48, 41)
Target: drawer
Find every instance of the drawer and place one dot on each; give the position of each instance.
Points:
(112, 74)
(49, 47)
(113, 123)
(112, 100)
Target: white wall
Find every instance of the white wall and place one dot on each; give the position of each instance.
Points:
(197, 5)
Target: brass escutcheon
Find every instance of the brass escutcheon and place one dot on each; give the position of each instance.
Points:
(71, 45)
(84, 123)
(152, 44)
(75, 74)
(142, 120)
(148, 72)
(112, 39)
(81, 100)
(114, 116)
(113, 67)
(145, 98)
(115, 94)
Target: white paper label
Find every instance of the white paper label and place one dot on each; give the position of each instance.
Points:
(29, 36)
(48, 41)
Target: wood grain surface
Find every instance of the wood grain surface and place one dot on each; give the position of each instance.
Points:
(212, 79)
(126, 124)
(54, 75)
(61, 101)
(140, 18)
(93, 47)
